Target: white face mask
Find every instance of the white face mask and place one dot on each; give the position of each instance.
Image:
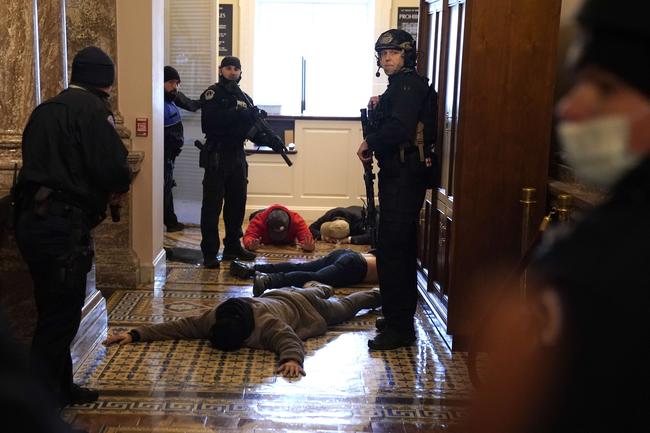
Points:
(597, 149)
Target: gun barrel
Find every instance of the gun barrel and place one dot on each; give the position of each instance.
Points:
(283, 153)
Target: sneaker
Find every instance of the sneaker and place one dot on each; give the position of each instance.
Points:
(210, 262)
(237, 253)
(328, 290)
(390, 339)
(178, 227)
(241, 270)
(261, 282)
(79, 395)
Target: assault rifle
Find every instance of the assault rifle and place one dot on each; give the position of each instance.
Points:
(367, 125)
(261, 132)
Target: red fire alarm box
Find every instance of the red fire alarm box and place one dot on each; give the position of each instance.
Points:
(141, 127)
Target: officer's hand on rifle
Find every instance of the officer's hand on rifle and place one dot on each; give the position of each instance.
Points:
(372, 103)
(364, 154)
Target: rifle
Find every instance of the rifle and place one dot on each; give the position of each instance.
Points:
(261, 132)
(367, 123)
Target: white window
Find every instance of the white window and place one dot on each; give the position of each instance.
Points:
(313, 57)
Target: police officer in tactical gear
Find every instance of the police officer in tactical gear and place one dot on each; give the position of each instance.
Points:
(402, 185)
(74, 163)
(174, 99)
(226, 117)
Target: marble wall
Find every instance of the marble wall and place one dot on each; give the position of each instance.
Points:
(17, 86)
(92, 23)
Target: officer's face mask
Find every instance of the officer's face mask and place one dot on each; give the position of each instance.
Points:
(598, 149)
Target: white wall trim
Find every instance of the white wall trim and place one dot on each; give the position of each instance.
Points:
(247, 43)
(148, 272)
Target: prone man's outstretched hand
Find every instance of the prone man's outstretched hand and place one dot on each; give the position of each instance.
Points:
(291, 369)
(123, 338)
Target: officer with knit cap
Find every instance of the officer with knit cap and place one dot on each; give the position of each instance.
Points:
(226, 118)
(174, 100)
(74, 163)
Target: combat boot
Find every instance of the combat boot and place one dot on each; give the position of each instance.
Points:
(242, 270)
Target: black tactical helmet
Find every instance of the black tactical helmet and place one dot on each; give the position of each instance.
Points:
(397, 39)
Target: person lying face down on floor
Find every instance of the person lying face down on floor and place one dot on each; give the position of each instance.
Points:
(340, 268)
(277, 225)
(344, 225)
(279, 321)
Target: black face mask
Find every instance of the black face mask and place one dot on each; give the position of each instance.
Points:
(170, 96)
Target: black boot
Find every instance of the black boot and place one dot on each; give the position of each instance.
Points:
(210, 262)
(79, 395)
(380, 324)
(241, 270)
(177, 227)
(261, 283)
(237, 252)
(389, 339)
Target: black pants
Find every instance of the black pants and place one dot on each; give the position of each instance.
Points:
(401, 193)
(58, 251)
(339, 268)
(169, 216)
(224, 186)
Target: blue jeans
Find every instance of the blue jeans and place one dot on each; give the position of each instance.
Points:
(341, 267)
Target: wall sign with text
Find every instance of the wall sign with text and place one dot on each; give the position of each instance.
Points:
(407, 19)
(225, 30)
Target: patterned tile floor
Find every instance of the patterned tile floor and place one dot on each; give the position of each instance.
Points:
(186, 386)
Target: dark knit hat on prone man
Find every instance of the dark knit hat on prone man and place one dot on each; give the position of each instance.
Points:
(93, 67)
(234, 324)
(277, 222)
(617, 40)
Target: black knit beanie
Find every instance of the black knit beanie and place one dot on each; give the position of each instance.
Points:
(93, 67)
(234, 324)
(617, 39)
(230, 61)
(171, 74)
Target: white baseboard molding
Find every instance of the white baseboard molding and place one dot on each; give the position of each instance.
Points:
(148, 272)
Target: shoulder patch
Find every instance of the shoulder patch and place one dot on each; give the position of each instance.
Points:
(209, 94)
(110, 119)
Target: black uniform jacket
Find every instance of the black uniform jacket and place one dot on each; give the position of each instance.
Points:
(70, 145)
(397, 113)
(601, 271)
(354, 215)
(223, 120)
